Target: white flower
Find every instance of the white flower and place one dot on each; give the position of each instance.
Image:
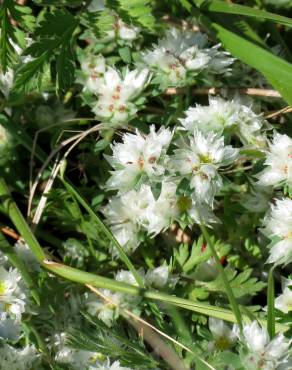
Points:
(180, 54)
(124, 31)
(5, 144)
(224, 336)
(12, 293)
(226, 117)
(6, 81)
(116, 94)
(123, 215)
(9, 329)
(157, 277)
(278, 227)
(279, 162)
(163, 211)
(106, 311)
(258, 198)
(108, 366)
(284, 301)
(93, 69)
(200, 160)
(17, 359)
(263, 353)
(139, 156)
(78, 359)
(26, 255)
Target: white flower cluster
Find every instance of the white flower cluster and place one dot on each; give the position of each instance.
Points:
(17, 359)
(181, 55)
(227, 117)
(260, 352)
(278, 162)
(143, 163)
(116, 93)
(257, 350)
(278, 227)
(284, 301)
(107, 309)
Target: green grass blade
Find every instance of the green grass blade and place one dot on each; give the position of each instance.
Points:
(220, 6)
(224, 279)
(105, 229)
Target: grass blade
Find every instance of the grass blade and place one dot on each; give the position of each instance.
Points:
(271, 304)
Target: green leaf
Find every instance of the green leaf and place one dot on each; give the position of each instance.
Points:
(242, 284)
(53, 40)
(139, 11)
(11, 37)
(220, 6)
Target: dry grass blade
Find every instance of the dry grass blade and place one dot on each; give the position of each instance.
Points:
(76, 139)
(285, 110)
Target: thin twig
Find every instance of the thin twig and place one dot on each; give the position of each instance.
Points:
(285, 110)
(214, 90)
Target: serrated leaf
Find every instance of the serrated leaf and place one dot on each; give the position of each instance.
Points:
(242, 284)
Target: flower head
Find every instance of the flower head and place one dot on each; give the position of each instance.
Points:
(5, 145)
(278, 162)
(284, 301)
(116, 95)
(261, 352)
(200, 160)
(278, 227)
(182, 54)
(12, 293)
(93, 68)
(226, 117)
(224, 336)
(139, 156)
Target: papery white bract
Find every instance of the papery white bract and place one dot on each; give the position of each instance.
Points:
(284, 301)
(199, 162)
(138, 156)
(116, 95)
(278, 162)
(226, 117)
(278, 227)
(181, 54)
(261, 352)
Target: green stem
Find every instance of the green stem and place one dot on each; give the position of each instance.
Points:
(228, 289)
(271, 304)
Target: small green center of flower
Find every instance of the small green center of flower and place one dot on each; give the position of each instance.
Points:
(2, 288)
(184, 203)
(222, 343)
(205, 158)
